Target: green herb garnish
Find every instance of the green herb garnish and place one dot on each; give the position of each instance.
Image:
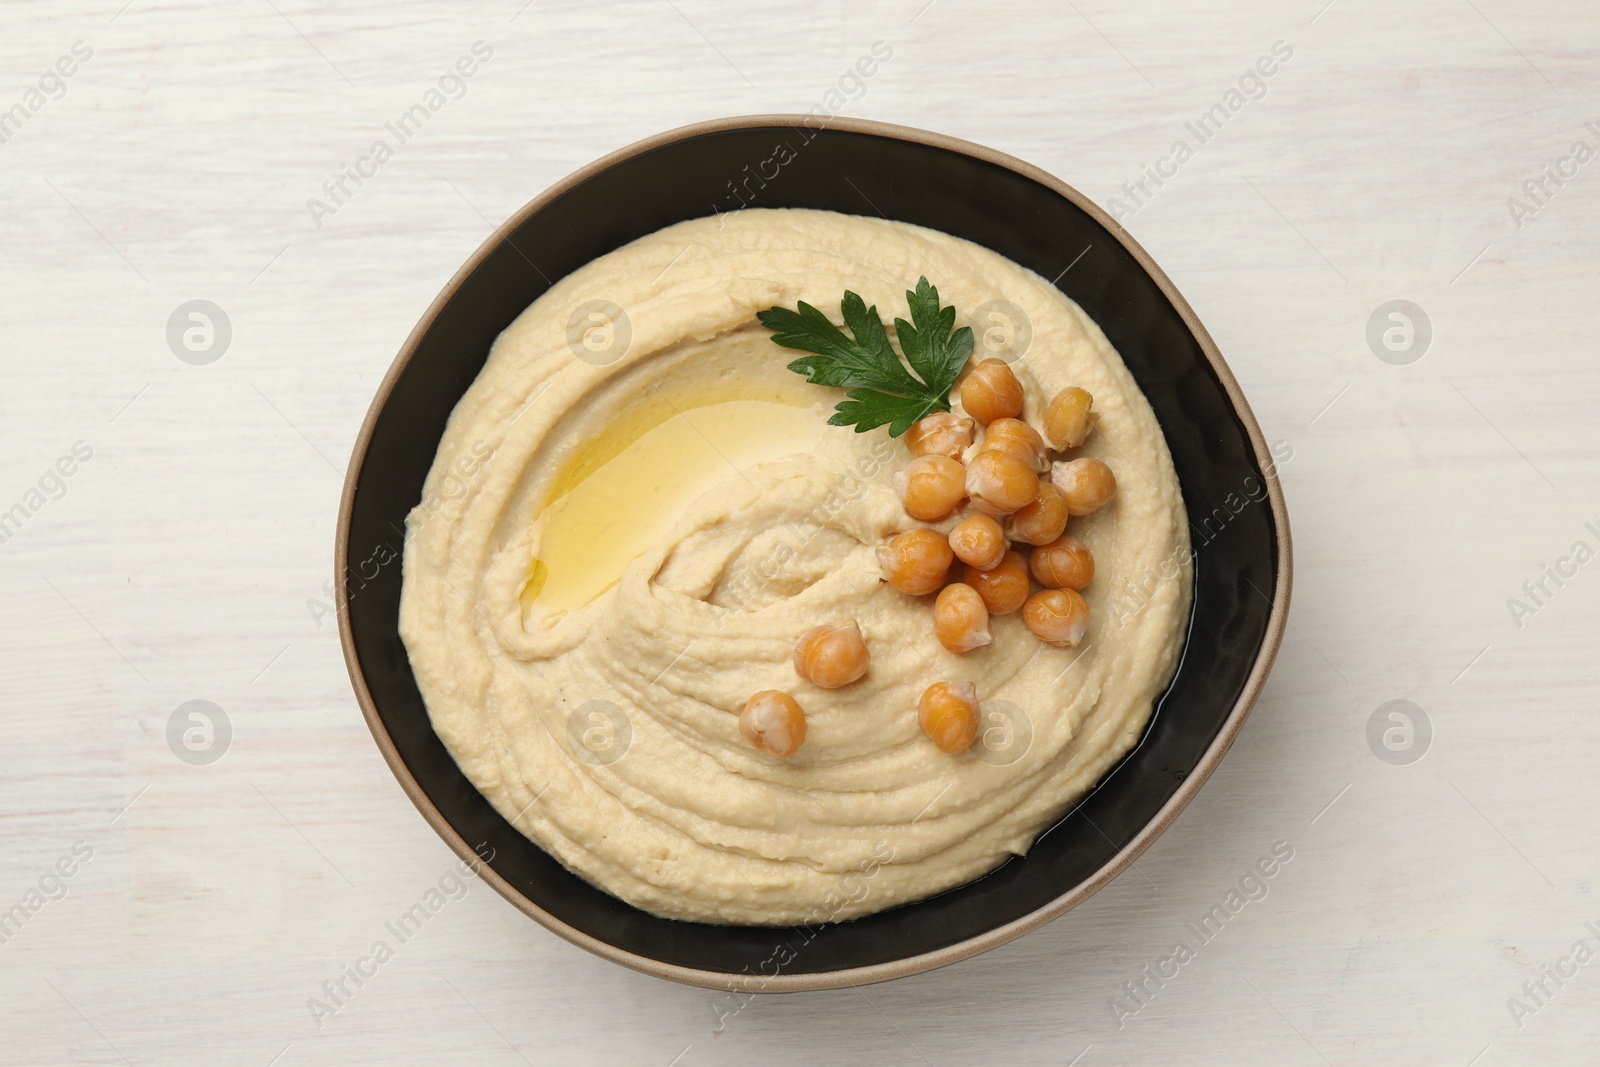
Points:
(882, 390)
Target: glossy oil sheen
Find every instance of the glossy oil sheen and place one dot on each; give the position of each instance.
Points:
(626, 490)
(867, 174)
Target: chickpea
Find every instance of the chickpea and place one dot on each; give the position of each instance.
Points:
(916, 561)
(1064, 563)
(978, 541)
(943, 433)
(1057, 616)
(1000, 484)
(960, 619)
(948, 714)
(1087, 484)
(1066, 420)
(990, 391)
(1016, 438)
(1017, 429)
(831, 656)
(930, 487)
(1004, 587)
(1042, 521)
(774, 722)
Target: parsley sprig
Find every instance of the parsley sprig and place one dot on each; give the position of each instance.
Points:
(881, 388)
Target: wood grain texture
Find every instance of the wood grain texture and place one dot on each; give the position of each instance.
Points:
(186, 558)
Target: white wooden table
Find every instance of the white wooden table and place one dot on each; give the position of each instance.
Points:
(186, 557)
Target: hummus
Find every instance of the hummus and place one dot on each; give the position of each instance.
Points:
(635, 511)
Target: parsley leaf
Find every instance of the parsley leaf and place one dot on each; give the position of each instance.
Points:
(881, 389)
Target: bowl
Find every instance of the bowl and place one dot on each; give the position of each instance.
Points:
(1242, 553)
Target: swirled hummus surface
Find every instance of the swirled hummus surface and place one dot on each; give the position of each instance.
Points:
(635, 511)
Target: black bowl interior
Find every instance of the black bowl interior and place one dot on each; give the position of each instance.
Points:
(864, 174)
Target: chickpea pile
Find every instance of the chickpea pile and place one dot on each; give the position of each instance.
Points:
(1013, 494)
(1018, 494)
